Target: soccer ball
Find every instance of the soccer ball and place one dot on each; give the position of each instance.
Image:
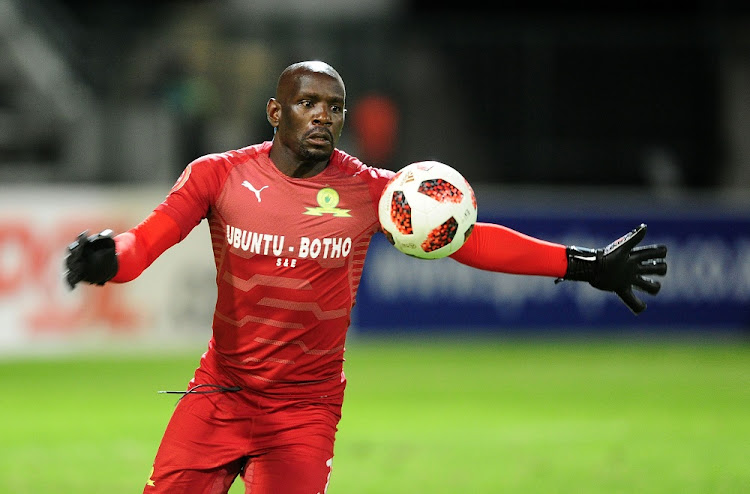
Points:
(427, 210)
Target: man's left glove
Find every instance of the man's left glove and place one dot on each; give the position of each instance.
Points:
(620, 267)
(91, 259)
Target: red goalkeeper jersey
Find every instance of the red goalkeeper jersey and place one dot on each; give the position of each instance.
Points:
(289, 256)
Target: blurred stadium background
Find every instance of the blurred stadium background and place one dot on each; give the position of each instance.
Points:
(573, 123)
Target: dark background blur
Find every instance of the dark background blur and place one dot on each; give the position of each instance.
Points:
(526, 93)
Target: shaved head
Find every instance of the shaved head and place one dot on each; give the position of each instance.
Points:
(289, 78)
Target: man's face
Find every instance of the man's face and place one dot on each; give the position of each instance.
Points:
(311, 116)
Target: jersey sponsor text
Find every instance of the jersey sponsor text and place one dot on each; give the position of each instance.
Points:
(271, 244)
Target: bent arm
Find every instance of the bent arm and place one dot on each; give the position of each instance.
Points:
(498, 248)
(140, 246)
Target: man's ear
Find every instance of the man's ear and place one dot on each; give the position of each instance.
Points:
(273, 112)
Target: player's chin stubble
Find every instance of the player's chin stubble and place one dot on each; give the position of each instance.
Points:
(309, 153)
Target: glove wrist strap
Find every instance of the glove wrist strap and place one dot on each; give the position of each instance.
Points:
(583, 264)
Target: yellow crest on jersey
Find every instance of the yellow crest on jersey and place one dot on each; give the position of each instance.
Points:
(328, 199)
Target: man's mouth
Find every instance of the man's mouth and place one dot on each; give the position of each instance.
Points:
(319, 137)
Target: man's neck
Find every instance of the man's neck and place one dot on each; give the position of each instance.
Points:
(291, 166)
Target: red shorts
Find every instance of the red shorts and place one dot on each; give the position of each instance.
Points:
(275, 444)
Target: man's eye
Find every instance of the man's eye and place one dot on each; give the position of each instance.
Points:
(336, 109)
(306, 103)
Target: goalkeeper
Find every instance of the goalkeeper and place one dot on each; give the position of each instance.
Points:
(265, 400)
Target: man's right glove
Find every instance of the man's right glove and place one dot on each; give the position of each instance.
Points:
(620, 267)
(91, 259)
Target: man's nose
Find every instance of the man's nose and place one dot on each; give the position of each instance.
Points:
(322, 115)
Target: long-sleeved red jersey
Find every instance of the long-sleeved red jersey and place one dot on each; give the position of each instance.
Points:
(289, 257)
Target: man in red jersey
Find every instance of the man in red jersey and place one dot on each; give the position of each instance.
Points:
(290, 223)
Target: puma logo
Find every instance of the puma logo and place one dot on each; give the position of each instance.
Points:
(255, 191)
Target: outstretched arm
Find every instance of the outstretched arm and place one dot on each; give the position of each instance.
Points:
(498, 248)
(619, 267)
(100, 258)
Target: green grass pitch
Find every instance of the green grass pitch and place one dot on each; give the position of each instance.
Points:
(421, 417)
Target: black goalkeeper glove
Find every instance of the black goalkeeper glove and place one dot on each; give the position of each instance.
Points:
(91, 259)
(620, 267)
